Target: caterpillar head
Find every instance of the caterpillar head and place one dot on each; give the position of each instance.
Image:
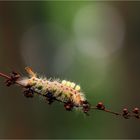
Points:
(28, 81)
(30, 72)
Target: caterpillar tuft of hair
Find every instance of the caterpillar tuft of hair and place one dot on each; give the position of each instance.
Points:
(66, 92)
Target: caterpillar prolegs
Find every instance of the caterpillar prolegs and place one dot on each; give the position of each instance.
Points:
(62, 91)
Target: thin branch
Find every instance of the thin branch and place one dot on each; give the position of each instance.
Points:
(105, 110)
(14, 79)
(5, 76)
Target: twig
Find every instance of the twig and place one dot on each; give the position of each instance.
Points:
(14, 79)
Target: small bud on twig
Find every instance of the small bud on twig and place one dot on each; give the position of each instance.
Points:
(136, 110)
(126, 113)
(100, 106)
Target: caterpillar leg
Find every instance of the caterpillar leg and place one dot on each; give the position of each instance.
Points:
(68, 106)
(30, 72)
(50, 98)
(86, 107)
(28, 93)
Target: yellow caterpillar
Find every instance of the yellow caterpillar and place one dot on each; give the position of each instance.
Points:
(64, 91)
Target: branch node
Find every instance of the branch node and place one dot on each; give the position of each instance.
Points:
(12, 79)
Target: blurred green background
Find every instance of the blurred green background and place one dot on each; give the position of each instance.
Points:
(95, 44)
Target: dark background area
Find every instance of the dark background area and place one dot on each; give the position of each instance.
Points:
(95, 44)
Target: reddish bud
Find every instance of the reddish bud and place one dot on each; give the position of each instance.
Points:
(100, 106)
(125, 111)
(136, 110)
(126, 114)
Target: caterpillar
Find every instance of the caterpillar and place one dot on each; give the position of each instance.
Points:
(66, 92)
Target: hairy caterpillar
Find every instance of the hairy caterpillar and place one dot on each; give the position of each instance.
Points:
(63, 91)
